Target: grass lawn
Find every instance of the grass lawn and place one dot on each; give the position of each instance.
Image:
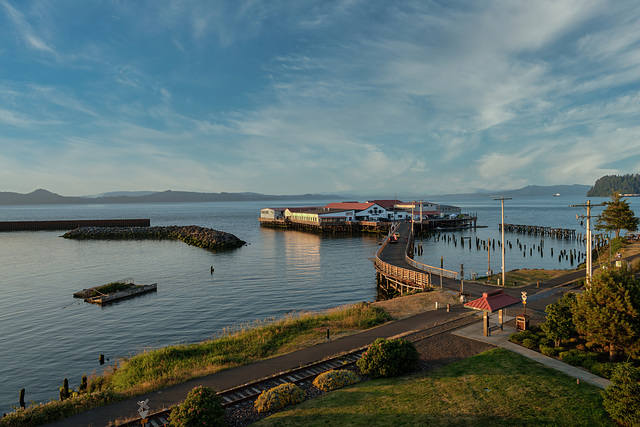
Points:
(524, 276)
(496, 387)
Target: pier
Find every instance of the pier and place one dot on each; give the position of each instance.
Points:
(71, 224)
(396, 269)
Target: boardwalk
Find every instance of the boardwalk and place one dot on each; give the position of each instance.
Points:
(397, 270)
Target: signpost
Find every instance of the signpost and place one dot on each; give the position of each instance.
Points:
(143, 410)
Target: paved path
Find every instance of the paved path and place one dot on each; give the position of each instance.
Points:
(501, 339)
(244, 374)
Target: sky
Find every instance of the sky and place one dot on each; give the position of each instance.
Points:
(294, 97)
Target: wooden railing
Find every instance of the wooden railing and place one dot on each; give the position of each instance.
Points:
(433, 270)
(418, 278)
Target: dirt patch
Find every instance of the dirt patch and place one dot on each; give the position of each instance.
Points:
(410, 305)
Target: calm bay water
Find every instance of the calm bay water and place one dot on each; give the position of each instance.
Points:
(47, 335)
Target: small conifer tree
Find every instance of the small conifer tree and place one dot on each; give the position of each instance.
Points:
(608, 312)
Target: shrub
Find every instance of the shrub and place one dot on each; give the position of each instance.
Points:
(572, 357)
(530, 343)
(279, 397)
(546, 342)
(588, 362)
(203, 406)
(548, 351)
(388, 358)
(331, 380)
(622, 398)
(603, 370)
(519, 337)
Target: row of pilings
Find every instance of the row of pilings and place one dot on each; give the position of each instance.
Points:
(574, 256)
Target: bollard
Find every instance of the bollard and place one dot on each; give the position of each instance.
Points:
(327, 332)
(436, 305)
(448, 307)
(537, 284)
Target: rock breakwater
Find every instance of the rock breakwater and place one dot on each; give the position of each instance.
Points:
(193, 235)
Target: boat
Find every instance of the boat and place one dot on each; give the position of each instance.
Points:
(556, 195)
(114, 291)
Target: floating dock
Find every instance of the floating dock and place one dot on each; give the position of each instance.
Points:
(71, 224)
(94, 296)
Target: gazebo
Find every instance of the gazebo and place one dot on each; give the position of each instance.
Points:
(490, 303)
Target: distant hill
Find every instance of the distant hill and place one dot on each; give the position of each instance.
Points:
(44, 197)
(528, 191)
(624, 184)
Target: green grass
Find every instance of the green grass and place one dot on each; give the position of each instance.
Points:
(111, 288)
(495, 388)
(171, 365)
(523, 277)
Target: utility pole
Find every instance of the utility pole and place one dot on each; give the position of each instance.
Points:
(502, 199)
(588, 216)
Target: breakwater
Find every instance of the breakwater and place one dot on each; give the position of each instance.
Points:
(71, 224)
(193, 235)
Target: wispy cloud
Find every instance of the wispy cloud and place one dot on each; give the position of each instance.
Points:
(26, 31)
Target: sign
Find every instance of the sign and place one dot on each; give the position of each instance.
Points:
(143, 410)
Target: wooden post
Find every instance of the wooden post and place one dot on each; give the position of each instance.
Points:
(485, 322)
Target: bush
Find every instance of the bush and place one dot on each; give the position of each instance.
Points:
(331, 380)
(279, 397)
(622, 398)
(548, 351)
(530, 343)
(588, 362)
(519, 337)
(603, 370)
(388, 358)
(547, 342)
(577, 357)
(203, 406)
(572, 357)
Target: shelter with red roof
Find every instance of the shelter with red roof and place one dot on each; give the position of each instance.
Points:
(490, 303)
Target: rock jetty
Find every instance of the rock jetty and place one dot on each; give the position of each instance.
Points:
(193, 235)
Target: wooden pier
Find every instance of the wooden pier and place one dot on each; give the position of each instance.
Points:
(328, 226)
(71, 224)
(534, 230)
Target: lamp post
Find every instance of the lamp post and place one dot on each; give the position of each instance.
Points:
(502, 199)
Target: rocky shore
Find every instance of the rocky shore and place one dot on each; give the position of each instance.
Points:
(193, 235)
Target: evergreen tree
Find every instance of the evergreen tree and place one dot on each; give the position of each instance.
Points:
(559, 324)
(622, 398)
(617, 216)
(607, 313)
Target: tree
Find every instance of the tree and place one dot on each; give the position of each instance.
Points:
(617, 216)
(622, 398)
(559, 324)
(607, 313)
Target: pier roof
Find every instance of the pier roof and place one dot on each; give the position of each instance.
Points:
(350, 206)
(493, 301)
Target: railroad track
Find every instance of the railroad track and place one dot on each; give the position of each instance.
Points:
(252, 390)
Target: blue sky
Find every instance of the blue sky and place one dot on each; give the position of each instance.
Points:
(292, 97)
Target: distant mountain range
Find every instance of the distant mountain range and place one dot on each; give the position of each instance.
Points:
(44, 197)
(528, 191)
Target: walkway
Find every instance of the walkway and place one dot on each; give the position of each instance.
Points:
(247, 373)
